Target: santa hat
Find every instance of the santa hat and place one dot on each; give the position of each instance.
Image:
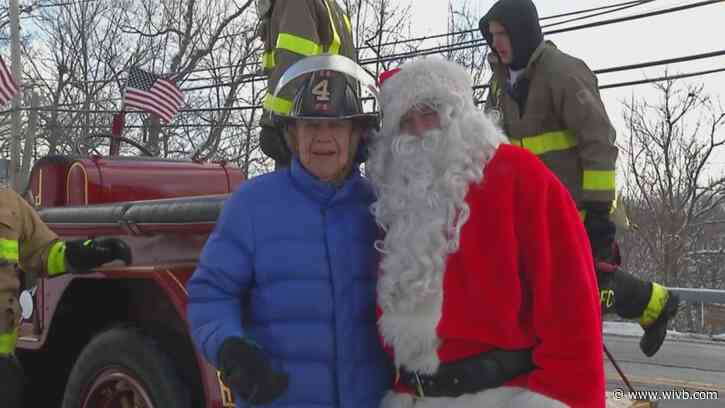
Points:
(432, 81)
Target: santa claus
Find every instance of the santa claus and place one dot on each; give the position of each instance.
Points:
(487, 293)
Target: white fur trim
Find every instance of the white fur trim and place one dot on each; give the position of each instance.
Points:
(502, 397)
(427, 80)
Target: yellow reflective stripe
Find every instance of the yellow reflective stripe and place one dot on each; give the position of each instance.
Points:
(7, 342)
(348, 24)
(298, 45)
(547, 142)
(598, 180)
(56, 259)
(280, 106)
(335, 46)
(656, 303)
(9, 250)
(268, 61)
(495, 89)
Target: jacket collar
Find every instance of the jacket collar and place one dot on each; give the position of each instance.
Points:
(538, 52)
(323, 192)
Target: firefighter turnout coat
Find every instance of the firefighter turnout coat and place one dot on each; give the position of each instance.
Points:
(25, 241)
(295, 29)
(562, 120)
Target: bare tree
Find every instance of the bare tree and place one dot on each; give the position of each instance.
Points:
(208, 47)
(181, 35)
(78, 72)
(672, 189)
(379, 28)
(4, 22)
(460, 21)
(89, 47)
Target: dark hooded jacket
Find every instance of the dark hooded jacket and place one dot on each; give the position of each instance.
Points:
(555, 109)
(521, 21)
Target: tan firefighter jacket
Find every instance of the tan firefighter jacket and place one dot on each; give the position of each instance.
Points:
(297, 29)
(564, 122)
(26, 241)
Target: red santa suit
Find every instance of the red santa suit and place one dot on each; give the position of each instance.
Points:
(516, 270)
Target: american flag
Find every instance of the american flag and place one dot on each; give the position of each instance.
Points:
(152, 94)
(8, 84)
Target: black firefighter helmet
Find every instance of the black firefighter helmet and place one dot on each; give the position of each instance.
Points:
(328, 94)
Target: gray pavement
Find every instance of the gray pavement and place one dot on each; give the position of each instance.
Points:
(683, 368)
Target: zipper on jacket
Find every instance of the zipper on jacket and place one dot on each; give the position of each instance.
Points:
(323, 212)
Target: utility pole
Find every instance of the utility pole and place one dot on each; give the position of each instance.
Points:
(14, 14)
(29, 146)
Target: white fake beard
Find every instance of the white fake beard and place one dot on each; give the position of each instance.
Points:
(421, 184)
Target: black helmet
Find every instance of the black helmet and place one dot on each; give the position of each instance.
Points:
(330, 94)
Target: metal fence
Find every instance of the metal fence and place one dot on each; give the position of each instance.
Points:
(700, 295)
(706, 309)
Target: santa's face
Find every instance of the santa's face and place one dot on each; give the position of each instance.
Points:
(419, 120)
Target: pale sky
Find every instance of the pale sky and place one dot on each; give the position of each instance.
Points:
(682, 33)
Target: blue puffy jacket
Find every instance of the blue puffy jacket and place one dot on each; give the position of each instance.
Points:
(291, 265)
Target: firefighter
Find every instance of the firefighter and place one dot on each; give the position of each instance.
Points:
(291, 30)
(282, 300)
(549, 103)
(25, 241)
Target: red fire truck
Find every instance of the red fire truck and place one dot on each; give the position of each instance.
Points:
(118, 337)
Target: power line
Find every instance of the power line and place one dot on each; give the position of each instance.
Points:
(643, 15)
(660, 62)
(30, 7)
(259, 77)
(475, 87)
(480, 42)
(475, 30)
(639, 82)
(573, 13)
(599, 71)
(662, 78)
(571, 20)
(114, 111)
(167, 126)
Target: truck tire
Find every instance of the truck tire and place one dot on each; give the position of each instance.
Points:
(124, 367)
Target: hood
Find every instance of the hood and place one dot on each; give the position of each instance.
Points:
(521, 21)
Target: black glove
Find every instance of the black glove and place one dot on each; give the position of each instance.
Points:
(272, 142)
(85, 254)
(246, 370)
(601, 230)
(11, 383)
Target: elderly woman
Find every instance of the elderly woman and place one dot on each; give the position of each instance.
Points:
(282, 301)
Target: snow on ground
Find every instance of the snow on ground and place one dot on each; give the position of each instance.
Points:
(617, 403)
(623, 329)
(634, 330)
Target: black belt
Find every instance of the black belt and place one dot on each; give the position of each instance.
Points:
(470, 375)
